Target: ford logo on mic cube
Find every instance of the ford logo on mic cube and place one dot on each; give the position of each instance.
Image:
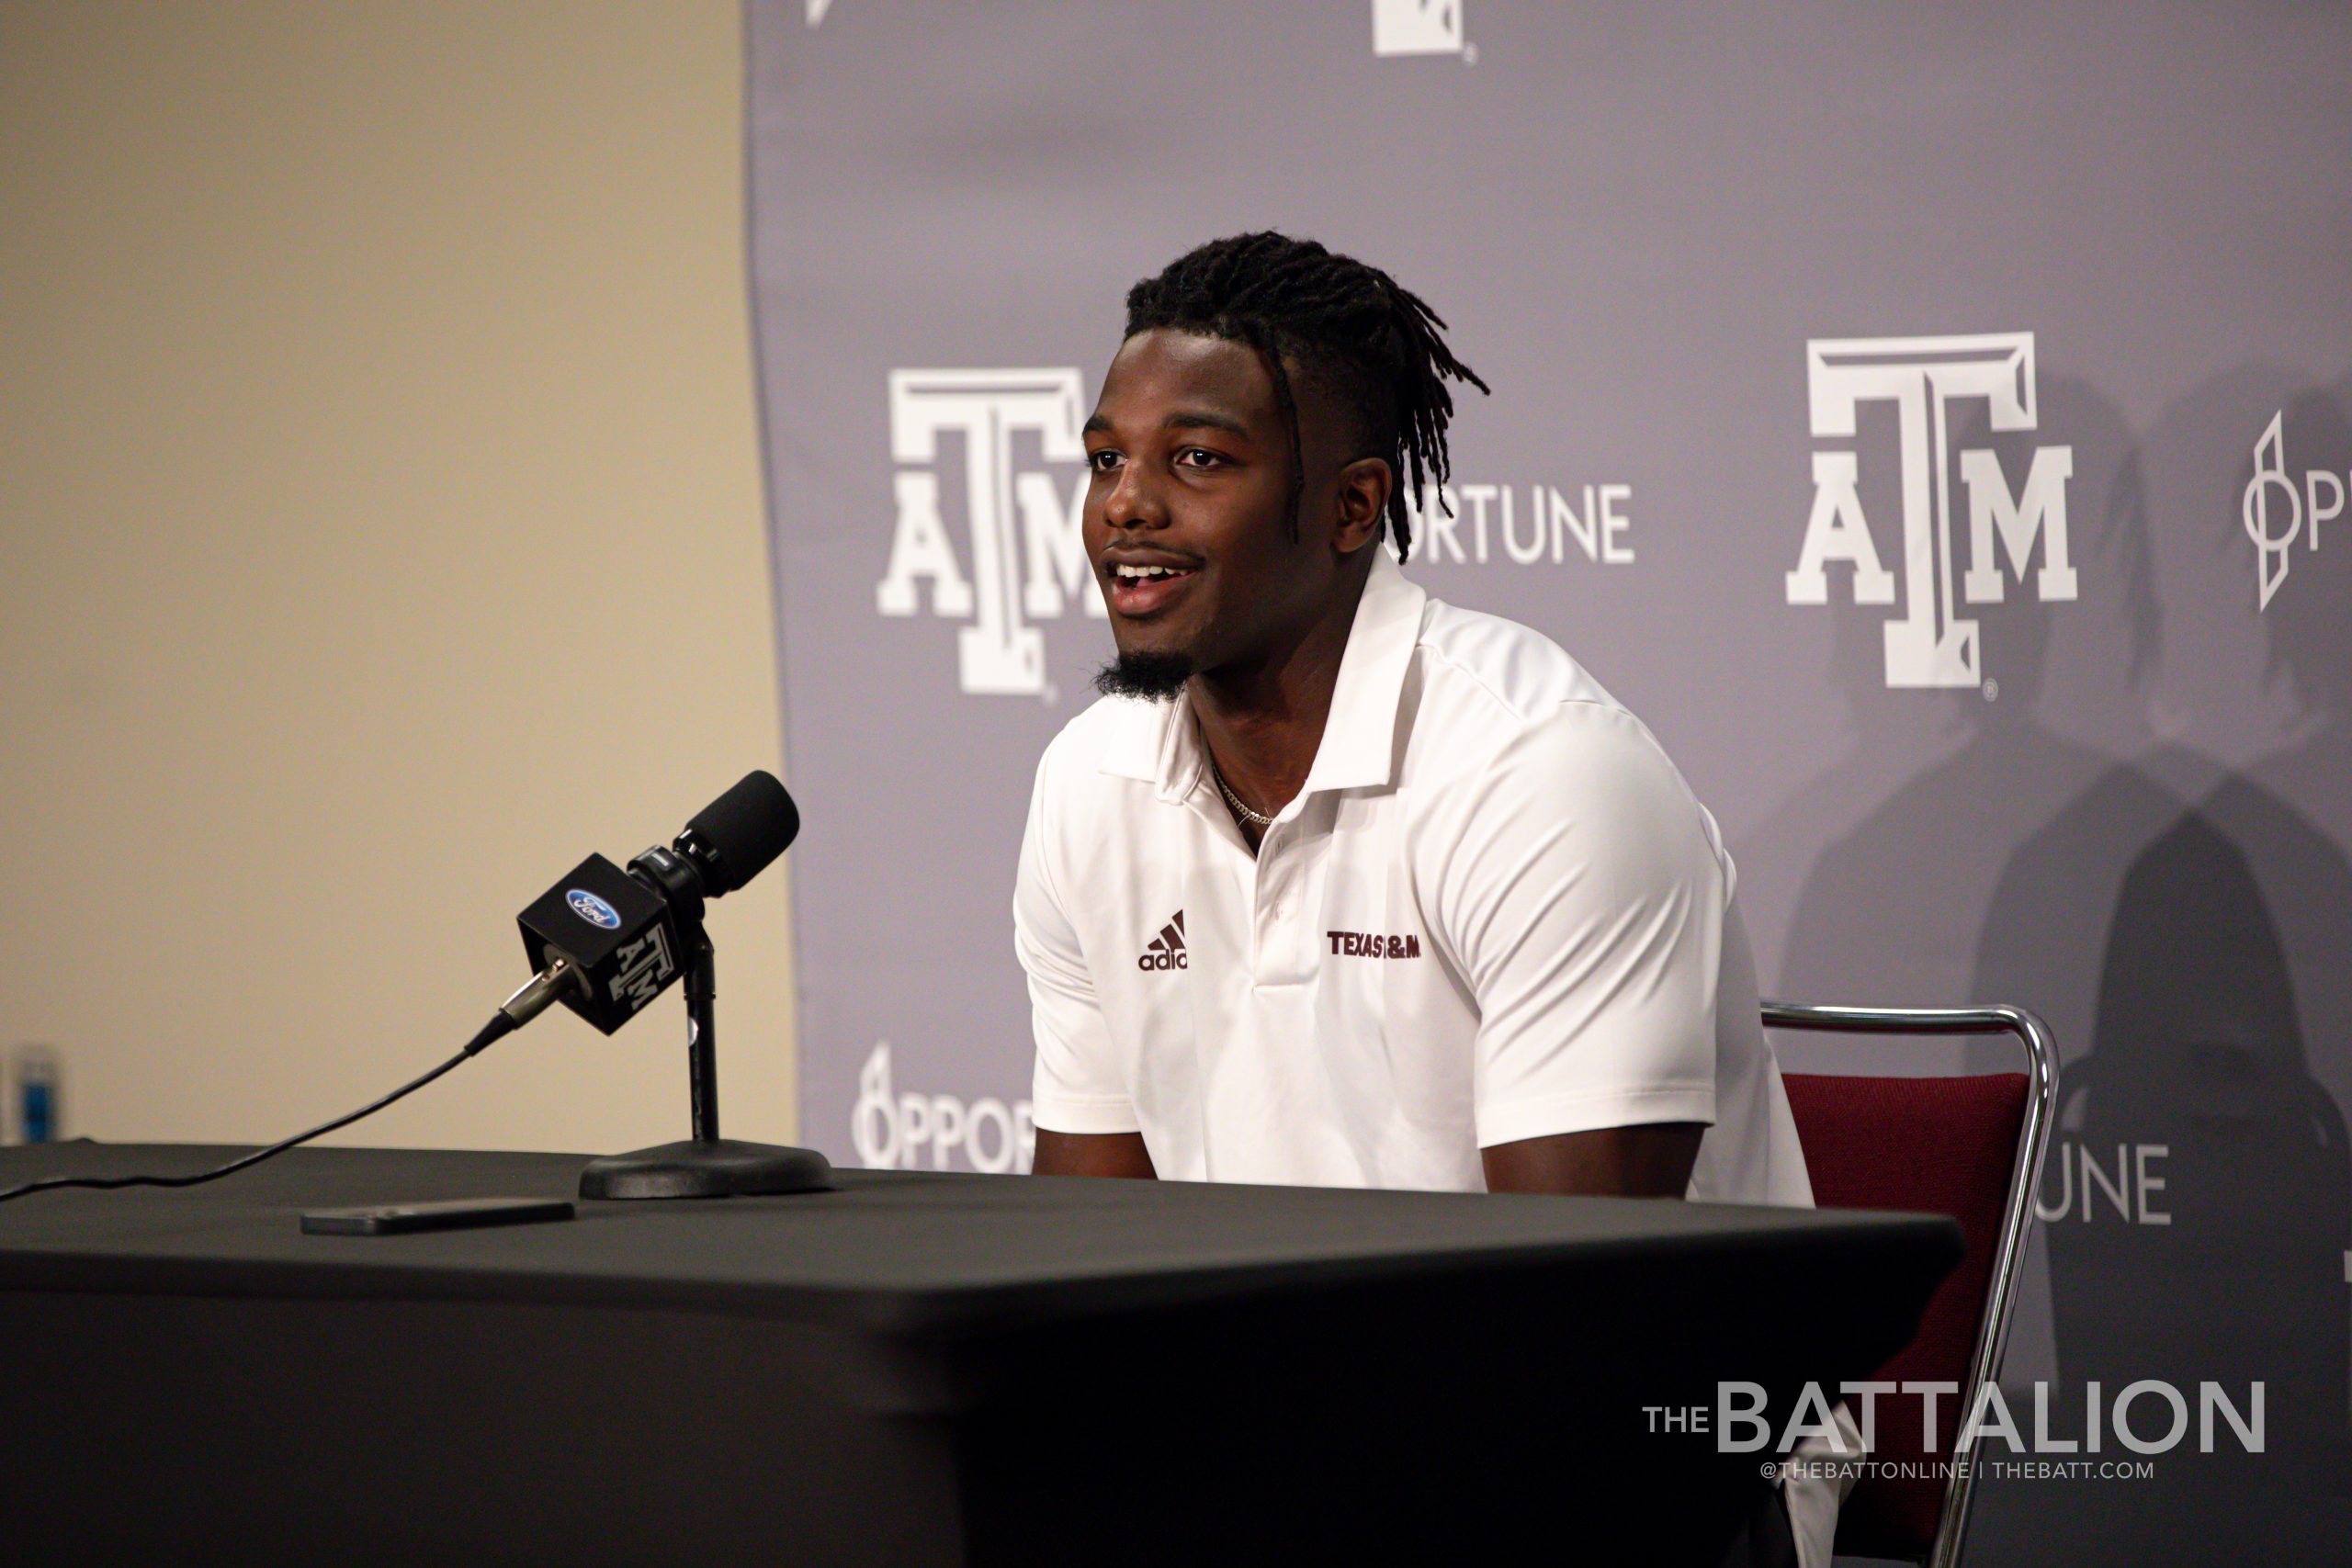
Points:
(618, 933)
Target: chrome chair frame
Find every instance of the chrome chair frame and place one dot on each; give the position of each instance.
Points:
(2025, 1175)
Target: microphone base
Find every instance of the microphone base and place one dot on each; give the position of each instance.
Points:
(706, 1167)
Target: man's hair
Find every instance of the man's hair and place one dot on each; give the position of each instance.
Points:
(1373, 344)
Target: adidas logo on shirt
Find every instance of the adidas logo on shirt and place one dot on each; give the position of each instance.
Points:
(1167, 949)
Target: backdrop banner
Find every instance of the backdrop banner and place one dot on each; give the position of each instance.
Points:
(1935, 421)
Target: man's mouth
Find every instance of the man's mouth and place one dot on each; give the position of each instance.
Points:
(1143, 590)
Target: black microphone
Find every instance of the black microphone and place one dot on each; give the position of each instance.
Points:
(605, 942)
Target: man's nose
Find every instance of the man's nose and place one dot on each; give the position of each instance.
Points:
(1135, 502)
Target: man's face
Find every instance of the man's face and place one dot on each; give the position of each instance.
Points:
(1186, 506)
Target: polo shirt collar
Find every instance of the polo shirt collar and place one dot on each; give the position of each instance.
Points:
(1160, 743)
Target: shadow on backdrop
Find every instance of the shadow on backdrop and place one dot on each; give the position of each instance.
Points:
(2200, 1069)
(1936, 881)
(2182, 916)
(1919, 822)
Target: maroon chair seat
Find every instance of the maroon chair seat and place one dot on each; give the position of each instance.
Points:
(1940, 1145)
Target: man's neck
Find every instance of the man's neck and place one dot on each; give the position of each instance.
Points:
(1263, 723)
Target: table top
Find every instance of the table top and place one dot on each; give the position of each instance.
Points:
(895, 1253)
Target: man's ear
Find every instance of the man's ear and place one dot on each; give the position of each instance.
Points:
(1364, 488)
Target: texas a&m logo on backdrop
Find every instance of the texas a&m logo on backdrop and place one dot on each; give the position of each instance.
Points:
(1417, 26)
(1931, 643)
(1028, 551)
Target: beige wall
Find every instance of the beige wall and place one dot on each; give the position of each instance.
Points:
(379, 532)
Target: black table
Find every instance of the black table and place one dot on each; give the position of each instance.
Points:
(914, 1369)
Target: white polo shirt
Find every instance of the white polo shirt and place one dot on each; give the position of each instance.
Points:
(1495, 912)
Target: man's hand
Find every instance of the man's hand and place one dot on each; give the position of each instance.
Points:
(1652, 1161)
(1093, 1153)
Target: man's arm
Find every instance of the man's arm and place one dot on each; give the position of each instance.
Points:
(1652, 1161)
(1579, 894)
(1086, 1122)
(1093, 1153)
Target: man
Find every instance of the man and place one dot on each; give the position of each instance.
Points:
(1341, 885)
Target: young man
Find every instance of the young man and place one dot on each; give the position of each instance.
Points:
(1341, 885)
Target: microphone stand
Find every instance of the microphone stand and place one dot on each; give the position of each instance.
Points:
(705, 1165)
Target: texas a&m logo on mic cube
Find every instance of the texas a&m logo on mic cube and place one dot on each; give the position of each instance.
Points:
(618, 933)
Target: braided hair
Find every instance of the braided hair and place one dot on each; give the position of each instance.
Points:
(1349, 327)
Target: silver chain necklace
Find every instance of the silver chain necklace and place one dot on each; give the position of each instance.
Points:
(1257, 820)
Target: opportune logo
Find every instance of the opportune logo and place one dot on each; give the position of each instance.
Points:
(1932, 644)
(2133, 1191)
(1471, 525)
(593, 909)
(891, 1130)
(1016, 575)
(2277, 512)
(1417, 26)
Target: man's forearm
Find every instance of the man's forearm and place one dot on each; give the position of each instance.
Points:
(1093, 1153)
(1652, 1161)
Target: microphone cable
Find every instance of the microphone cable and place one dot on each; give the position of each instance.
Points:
(520, 1008)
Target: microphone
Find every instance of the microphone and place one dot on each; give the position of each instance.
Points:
(605, 942)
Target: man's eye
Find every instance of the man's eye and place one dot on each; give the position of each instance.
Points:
(1200, 458)
(1103, 461)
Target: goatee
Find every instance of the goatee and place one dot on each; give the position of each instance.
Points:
(1152, 676)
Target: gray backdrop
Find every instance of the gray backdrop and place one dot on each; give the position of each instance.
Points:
(1935, 421)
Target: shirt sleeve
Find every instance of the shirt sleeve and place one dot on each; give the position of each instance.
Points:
(1077, 1086)
(1582, 900)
